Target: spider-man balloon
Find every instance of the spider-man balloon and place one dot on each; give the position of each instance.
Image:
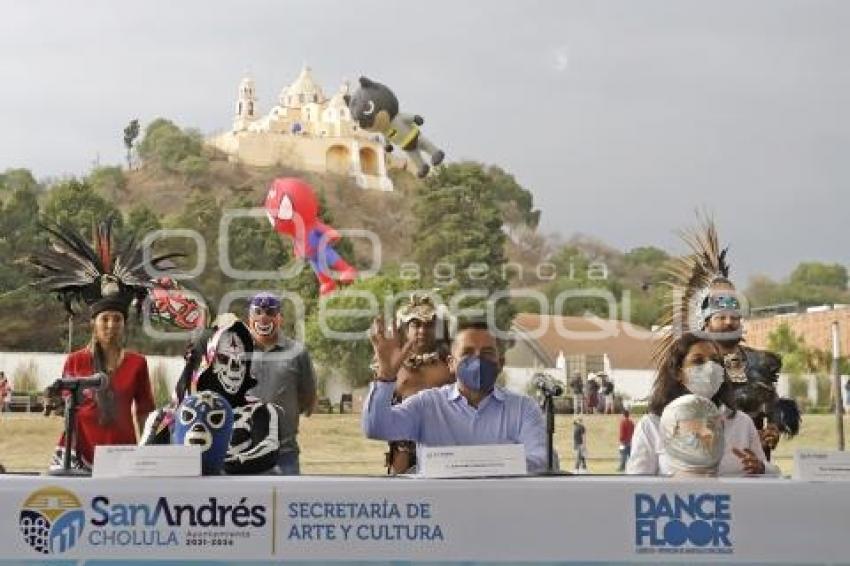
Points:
(293, 210)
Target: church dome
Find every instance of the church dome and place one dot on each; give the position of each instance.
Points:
(303, 91)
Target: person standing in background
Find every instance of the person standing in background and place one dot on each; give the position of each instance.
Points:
(5, 393)
(607, 395)
(627, 429)
(577, 388)
(284, 374)
(592, 391)
(579, 446)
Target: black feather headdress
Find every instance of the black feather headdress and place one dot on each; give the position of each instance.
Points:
(96, 274)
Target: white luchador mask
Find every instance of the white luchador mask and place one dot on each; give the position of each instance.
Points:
(230, 362)
(692, 435)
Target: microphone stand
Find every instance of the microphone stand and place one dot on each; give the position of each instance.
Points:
(550, 391)
(549, 407)
(75, 387)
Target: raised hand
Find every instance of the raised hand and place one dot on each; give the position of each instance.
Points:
(390, 353)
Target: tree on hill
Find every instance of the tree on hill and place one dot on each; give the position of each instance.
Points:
(108, 181)
(141, 221)
(46, 333)
(12, 180)
(763, 291)
(459, 228)
(818, 274)
(174, 150)
(75, 203)
(645, 274)
(515, 202)
(798, 357)
(810, 284)
(202, 214)
(337, 332)
(19, 236)
(646, 264)
(253, 246)
(591, 278)
(131, 132)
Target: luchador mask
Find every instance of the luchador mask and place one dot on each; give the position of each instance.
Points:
(205, 420)
(178, 306)
(230, 364)
(692, 434)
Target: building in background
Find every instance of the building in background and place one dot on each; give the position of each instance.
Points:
(306, 130)
(814, 326)
(562, 345)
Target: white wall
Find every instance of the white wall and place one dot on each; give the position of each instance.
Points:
(48, 366)
(635, 383)
(335, 385)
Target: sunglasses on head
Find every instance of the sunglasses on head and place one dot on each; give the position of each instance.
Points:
(270, 311)
(724, 302)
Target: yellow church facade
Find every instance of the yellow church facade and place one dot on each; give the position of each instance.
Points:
(306, 130)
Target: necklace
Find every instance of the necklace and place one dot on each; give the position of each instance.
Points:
(418, 360)
(736, 365)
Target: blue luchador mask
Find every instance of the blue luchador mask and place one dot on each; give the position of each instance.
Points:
(205, 419)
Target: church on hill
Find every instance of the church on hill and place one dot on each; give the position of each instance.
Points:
(306, 130)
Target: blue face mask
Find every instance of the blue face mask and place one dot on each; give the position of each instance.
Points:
(477, 373)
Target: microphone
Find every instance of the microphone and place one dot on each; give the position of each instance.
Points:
(549, 386)
(75, 383)
(75, 387)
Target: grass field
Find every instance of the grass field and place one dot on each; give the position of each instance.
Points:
(334, 444)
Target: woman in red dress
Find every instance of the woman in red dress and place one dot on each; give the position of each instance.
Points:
(108, 280)
(105, 415)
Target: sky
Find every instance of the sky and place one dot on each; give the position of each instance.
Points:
(622, 117)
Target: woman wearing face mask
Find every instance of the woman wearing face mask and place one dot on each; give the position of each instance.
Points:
(694, 365)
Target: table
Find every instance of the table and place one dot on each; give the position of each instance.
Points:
(316, 519)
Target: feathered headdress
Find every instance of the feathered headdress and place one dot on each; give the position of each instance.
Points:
(420, 307)
(698, 286)
(95, 274)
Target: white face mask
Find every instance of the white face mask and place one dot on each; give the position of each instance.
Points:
(705, 379)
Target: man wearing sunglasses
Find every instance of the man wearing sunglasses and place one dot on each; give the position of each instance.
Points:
(284, 374)
(753, 373)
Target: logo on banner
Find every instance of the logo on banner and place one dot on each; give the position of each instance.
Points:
(693, 523)
(164, 522)
(51, 520)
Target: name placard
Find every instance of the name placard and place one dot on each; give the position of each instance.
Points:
(823, 465)
(146, 461)
(472, 461)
